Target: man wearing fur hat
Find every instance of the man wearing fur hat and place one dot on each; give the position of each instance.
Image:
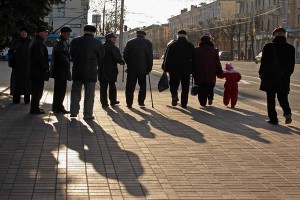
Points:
(18, 55)
(275, 77)
(179, 63)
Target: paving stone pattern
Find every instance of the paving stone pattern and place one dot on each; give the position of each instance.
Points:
(147, 153)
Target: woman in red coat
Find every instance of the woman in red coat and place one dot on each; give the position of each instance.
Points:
(231, 85)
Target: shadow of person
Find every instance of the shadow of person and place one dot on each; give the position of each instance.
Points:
(170, 126)
(129, 122)
(97, 147)
(226, 120)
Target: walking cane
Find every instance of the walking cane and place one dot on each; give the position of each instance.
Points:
(123, 73)
(150, 90)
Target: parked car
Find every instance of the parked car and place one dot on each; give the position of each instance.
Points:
(258, 58)
(224, 55)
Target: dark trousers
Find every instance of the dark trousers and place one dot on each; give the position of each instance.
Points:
(112, 92)
(175, 80)
(17, 98)
(130, 87)
(37, 87)
(205, 92)
(283, 102)
(60, 88)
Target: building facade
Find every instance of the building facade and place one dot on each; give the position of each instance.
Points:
(69, 13)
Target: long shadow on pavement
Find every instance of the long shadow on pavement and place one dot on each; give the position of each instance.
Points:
(95, 146)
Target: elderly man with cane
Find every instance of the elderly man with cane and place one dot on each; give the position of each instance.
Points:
(138, 55)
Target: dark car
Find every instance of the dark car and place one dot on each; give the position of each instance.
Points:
(224, 55)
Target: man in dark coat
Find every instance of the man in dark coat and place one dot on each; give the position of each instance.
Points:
(87, 53)
(178, 63)
(284, 53)
(18, 55)
(207, 67)
(138, 55)
(108, 71)
(39, 68)
(60, 69)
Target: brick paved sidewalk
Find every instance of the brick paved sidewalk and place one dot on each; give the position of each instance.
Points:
(161, 153)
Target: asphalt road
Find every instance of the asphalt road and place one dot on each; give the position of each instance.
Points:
(249, 92)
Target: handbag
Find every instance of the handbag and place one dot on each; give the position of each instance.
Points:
(163, 82)
(272, 77)
(194, 88)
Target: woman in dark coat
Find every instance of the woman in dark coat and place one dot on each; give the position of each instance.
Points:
(18, 56)
(207, 66)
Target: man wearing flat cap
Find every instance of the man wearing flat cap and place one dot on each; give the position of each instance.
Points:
(60, 69)
(87, 53)
(277, 66)
(39, 68)
(18, 56)
(108, 71)
(138, 55)
(179, 62)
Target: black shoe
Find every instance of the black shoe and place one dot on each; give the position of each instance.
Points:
(142, 104)
(15, 102)
(104, 105)
(274, 122)
(88, 117)
(184, 106)
(40, 111)
(115, 103)
(63, 111)
(232, 106)
(210, 101)
(27, 102)
(129, 106)
(73, 115)
(288, 118)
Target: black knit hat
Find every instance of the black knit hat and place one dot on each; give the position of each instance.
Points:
(140, 32)
(65, 29)
(90, 28)
(182, 32)
(41, 29)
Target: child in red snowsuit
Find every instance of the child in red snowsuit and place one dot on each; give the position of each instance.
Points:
(231, 85)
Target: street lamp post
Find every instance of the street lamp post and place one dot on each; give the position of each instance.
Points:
(121, 27)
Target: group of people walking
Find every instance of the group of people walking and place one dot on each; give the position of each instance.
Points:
(94, 61)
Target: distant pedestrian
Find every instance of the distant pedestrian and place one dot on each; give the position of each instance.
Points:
(275, 78)
(232, 78)
(39, 68)
(60, 69)
(179, 64)
(18, 59)
(108, 70)
(242, 55)
(87, 53)
(207, 67)
(249, 54)
(138, 55)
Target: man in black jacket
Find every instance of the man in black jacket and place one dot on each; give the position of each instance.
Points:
(87, 53)
(179, 63)
(108, 71)
(60, 69)
(138, 55)
(39, 68)
(284, 53)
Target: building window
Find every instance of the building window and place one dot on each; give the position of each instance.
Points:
(298, 19)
